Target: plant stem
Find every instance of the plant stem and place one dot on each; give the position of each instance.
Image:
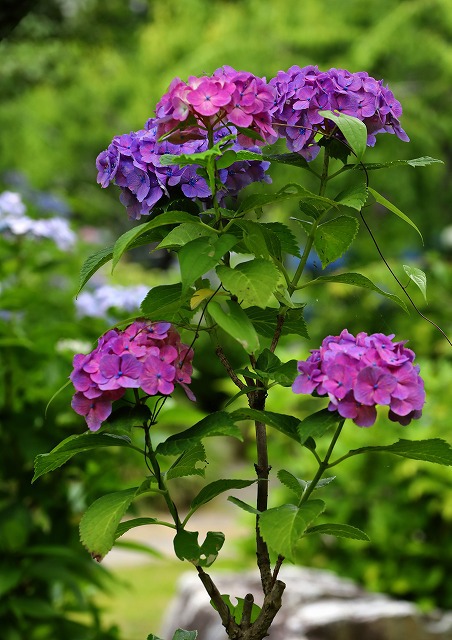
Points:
(324, 464)
(160, 481)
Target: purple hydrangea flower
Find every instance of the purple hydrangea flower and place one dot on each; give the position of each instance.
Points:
(145, 355)
(302, 92)
(359, 373)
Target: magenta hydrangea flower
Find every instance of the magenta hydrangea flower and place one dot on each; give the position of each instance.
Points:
(359, 373)
(145, 355)
(300, 93)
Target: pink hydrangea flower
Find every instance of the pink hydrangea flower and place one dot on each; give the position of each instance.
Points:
(145, 355)
(359, 373)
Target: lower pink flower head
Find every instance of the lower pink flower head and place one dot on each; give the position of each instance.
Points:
(145, 355)
(359, 373)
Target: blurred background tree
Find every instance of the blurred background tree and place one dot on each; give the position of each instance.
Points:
(73, 74)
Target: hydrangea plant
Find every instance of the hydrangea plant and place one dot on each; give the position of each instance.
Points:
(185, 171)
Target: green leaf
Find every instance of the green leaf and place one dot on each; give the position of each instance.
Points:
(186, 547)
(151, 636)
(236, 611)
(317, 424)
(293, 159)
(354, 196)
(291, 482)
(253, 282)
(338, 530)
(259, 239)
(99, 523)
(286, 373)
(123, 527)
(184, 234)
(202, 158)
(415, 162)
(122, 420)
(418, 277)
(267, 361)
(182, 634)
(388, 205)
(284, 423)
(432, 450)
(165, 302)
(353, 130)
(309, 210)
(281, 527)
(92, 264)
(185, 465)
(236, 323)
(243, 505)
(69, 447)
(289, 243)
(199, 256)
(333, 238)
(358, 280)
(219, 423)
(265, 321)
(125, 241)
(288, 192)
(214, 489)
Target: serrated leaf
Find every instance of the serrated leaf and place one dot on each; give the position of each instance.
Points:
(219, 423)
(253, 282)
(280, 421)
(183, 234)
(309, 210)
(69, 447)
(281, 527)
(236, 323)
(317, 424)
(202, 157)
(165, 302)
(291, 482)
(185, 465)
(358, 280)
(289, 191)
(391, 207)
(215, 488)
(289, 243)
(433, 450)
(99, 523)
(92, 264)
(354, 196)
(123, 527)
(418, 277)
(243, 505)
(333, 238)
(286, 373)
(353, 130)
(265, 322)
(338, 530)
(267, 361)
(259, 239)
(125, 241)
(122, 420)
(201, 255)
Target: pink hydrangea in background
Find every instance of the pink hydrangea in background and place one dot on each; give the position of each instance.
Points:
(146, 355)
(359, 373)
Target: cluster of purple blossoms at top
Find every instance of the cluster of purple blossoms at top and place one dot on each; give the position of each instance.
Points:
(359, 373)
(132, 161)
(302, 92)
(145, 355)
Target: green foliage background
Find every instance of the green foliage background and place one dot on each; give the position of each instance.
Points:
(74, 74)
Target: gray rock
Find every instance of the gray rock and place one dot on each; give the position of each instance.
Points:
(317, 605)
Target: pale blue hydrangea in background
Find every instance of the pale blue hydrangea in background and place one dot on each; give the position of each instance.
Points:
(97, 303)
(15, 222)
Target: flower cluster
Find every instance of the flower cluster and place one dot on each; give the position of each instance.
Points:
(97, 303)
(132, 161)
(15, 222)
(145, 355)
(359, 373)
(227, 97)
(303, 92)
